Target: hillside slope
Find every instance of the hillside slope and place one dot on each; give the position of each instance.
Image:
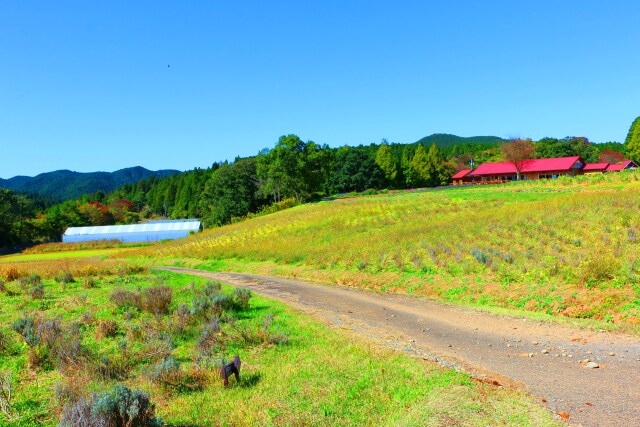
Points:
(66, 184)
(444, 140)
(566, 246)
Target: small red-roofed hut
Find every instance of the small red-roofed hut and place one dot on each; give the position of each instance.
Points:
(462, 177)
(625, 165)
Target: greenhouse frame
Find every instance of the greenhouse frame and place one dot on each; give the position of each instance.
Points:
(152, 231)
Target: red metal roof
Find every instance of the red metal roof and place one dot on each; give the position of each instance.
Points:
(461, 174)
(620, 166)
(534, 165)
(595, 166)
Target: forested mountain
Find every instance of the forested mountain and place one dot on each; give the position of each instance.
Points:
(443, 140)
(66, 184)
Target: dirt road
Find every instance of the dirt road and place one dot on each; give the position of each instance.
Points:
(548, 360)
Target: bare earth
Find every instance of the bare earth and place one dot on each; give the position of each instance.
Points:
(548, 360)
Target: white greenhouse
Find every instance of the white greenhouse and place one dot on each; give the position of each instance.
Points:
(152, 231)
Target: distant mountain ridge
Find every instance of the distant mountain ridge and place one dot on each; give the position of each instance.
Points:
(66, 184)
(443, 140)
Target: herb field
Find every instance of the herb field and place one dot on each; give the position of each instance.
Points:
(565, 246)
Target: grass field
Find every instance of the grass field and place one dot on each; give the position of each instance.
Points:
(295, 371)
(563, 247)
(90, 253)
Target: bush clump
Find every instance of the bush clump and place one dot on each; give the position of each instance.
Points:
(126, 299)
(118, 407)
(241, 298)
(5, 342)
(36, 291)
(262, 334)
(64, 278)
(32, 280)
(106, 328)
(25, 326)
(11, 273)
(211, 338)
(157, 299)
(167, 372)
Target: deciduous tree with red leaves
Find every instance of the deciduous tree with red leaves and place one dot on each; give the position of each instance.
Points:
(519, 152)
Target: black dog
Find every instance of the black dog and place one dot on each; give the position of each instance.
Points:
(230, 368)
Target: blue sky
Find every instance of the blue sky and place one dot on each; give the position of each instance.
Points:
(93, 86)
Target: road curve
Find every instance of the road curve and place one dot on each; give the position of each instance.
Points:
(548, 360)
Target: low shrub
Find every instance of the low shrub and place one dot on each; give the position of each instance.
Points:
(212, 289)
(181, 319)
(6, 394)
(106, 328)
(113, 368)
(64, 346)
(126, 299)
(220, 304)
(262, 334)
(157, 299)
(32, 280)
(86, 318)
(64, 278)
(36, 291)
(89, 283)
(241, 298)
(118, 407)
(11, 273)
(26, 327)
(50, 332)
(4, 342)
(211, 339)
(169, 374)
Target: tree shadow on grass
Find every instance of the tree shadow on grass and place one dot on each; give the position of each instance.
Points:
(250, 312)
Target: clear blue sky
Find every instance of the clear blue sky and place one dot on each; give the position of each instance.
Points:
(105, 85)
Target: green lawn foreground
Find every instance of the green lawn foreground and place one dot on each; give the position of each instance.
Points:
(319, 377)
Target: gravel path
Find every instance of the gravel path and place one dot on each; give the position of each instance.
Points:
(548, 360)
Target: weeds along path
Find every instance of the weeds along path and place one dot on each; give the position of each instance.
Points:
(548, 360)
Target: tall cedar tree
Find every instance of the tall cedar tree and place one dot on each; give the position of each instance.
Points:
(386, 162)
(632, 143)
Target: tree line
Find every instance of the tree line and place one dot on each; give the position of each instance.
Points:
(293, 170)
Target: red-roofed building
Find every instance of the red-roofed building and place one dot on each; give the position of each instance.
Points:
(625, 165)
(595, 167)
(462, 177)
(531, 169)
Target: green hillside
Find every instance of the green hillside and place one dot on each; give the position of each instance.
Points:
(567, 246)
(443, 140)
(66, 184)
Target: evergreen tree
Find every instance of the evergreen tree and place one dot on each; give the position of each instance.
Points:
(386, 162)
(436, 170)
(420, 171)
(408, 172)
(632, 142)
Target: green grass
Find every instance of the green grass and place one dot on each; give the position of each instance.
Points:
(564, 247)
(320, 377)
